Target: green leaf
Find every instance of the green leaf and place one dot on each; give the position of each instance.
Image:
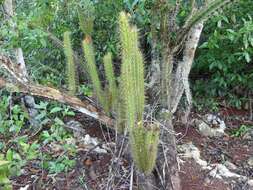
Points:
(56, 109)
(59, 121)
(9, 155)
(247, 57)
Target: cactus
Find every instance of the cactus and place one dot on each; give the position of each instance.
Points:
(129, 96)
(86, 17)
(144, 143)
(92, 70)
(71, 72)
(132, 72)
(143, 140)
(110, 77)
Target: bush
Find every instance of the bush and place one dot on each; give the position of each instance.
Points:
(223, 60)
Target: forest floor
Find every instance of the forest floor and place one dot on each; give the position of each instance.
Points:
(92, 170)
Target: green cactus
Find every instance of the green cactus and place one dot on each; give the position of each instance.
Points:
(86, 17)
(132, 72)
(110, 77)
(144, 144)
(129, 96)
(143, 140)
(71, 71)
(93, 72)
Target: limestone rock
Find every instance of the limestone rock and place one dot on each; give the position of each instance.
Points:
(211, 126)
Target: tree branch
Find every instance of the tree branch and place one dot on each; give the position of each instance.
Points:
(54, 94)
(49, 93)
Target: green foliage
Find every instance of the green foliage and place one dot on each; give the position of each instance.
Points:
(71, 69)
(106, 26)
(241, 130)
(206, 11)
(227, 72)
(85, 90)
(61, 164)
(5, 183)
(16, 146)
(11, 124)
(144, 142)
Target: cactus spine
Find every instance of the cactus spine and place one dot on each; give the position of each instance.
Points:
(71, 72)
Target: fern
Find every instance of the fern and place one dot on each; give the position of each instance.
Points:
(71, 72)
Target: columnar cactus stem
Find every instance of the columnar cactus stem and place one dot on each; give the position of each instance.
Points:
(71, 71)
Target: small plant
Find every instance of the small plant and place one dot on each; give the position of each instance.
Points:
(128, 97)
(85, 90)
(5, 183)
(241, 131)
(61, 164)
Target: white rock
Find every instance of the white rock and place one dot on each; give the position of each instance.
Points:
(100, 150)
(93, 142)
(222, 171)
(250, 182)
(206, 130)
(248, 135)
(24, 188)
(230, 165)
(90, 141)
(250, 161)
(219, 171)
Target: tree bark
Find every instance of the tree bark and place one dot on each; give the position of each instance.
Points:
(181, 77)
(28, 100)
(167, 165)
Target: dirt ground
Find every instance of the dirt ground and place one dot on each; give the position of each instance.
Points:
(92, 169)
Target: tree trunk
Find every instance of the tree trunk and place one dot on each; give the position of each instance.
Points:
(28, 100)
(180, 82)
(167, 165)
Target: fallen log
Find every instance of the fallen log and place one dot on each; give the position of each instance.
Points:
(54, 94)
(21, 85)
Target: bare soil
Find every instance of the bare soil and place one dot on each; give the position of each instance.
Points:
(91, 171)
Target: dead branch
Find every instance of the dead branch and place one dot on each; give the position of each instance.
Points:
(50, 93)
(54, 94)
